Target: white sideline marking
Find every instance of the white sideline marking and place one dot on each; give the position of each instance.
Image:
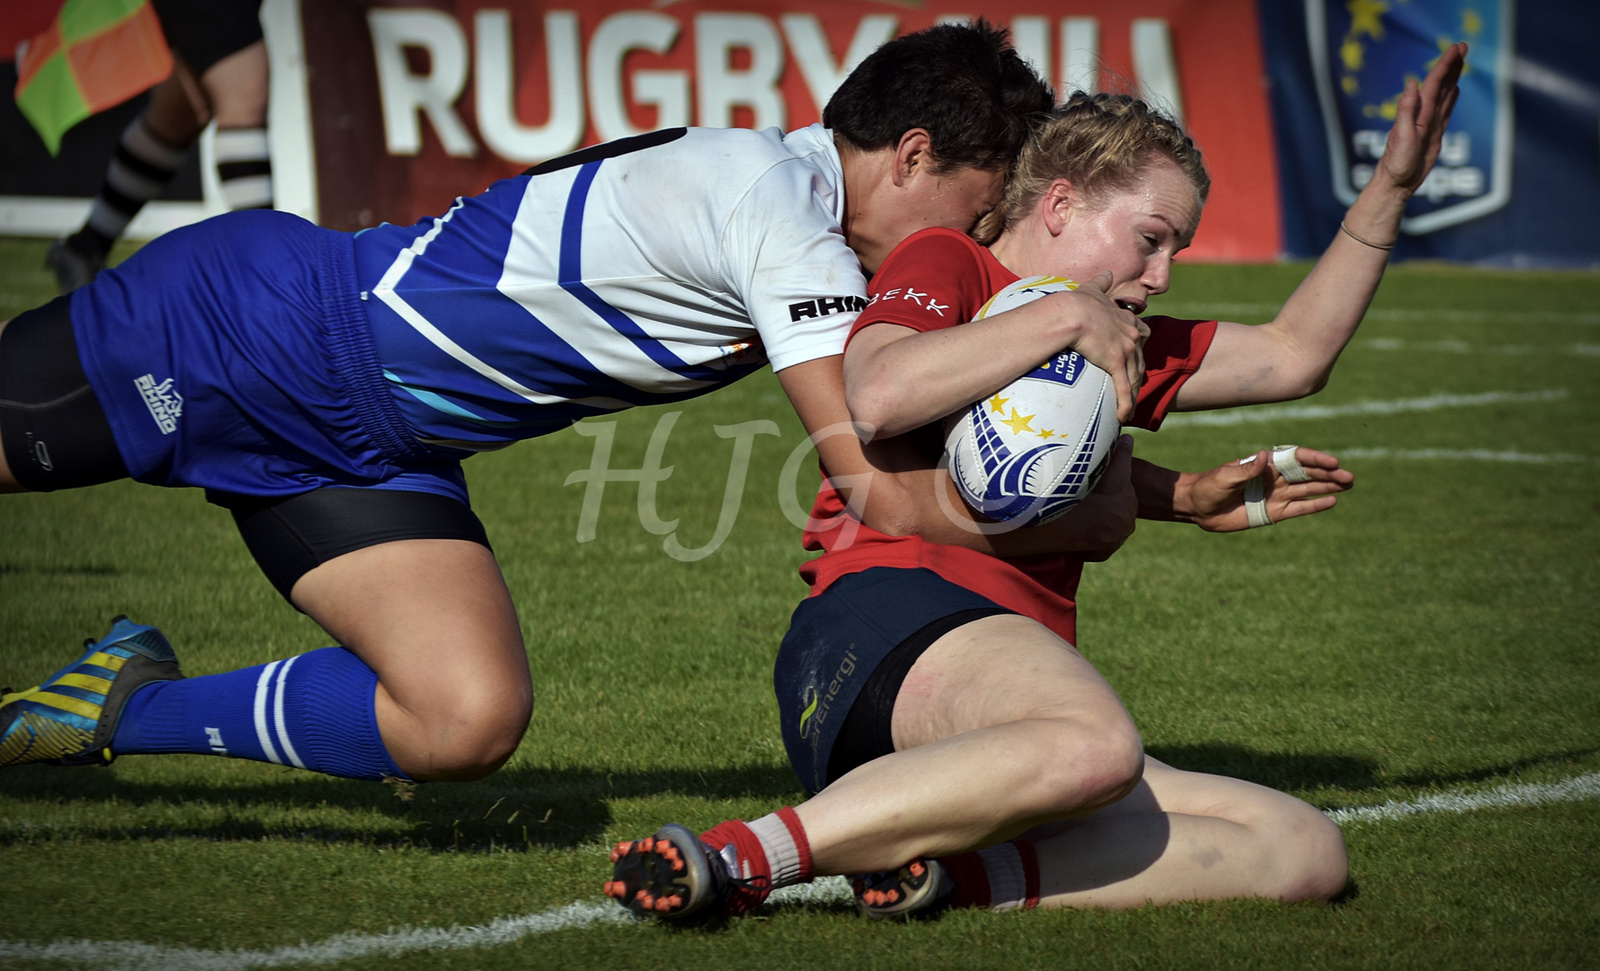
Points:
(1465, 454)
(822, 891)
(1462, 347)
(1526, 794)
(136, 955)
(133, 955)
(1435, 402)
(1266, 311)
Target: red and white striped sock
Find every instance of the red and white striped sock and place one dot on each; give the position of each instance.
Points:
(770, 852)
(1003, 877)
(788, 851)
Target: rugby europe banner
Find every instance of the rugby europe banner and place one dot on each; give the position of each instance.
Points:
(1518, 179)
(387, 110)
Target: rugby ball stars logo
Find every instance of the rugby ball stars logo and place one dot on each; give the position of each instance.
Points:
(1038, 446)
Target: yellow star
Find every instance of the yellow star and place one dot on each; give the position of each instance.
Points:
(1386, 110)
(1366, 17)
(1019, 422)
(1349, 84)
(1471, 22)
(997, 404)
(1353, 54)
(1048, 433)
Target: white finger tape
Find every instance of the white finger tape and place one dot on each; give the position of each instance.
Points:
(1255, 506)
(1287, 465)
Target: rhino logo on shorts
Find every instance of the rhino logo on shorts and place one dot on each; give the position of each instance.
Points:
(165, 404)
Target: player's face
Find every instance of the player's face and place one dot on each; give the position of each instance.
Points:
(958, 199)
(1135, 233)
(928, 200)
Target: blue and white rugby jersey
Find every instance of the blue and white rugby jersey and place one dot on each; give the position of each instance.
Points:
(638, 272)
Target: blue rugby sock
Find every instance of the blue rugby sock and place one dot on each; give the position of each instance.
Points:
(315, 711)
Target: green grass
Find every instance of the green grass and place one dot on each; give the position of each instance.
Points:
(1435, 633)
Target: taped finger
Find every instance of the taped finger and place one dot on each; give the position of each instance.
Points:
(1287, 465)
(1255, 505)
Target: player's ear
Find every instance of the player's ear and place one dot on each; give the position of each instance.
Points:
(912, 155)
(1060, 201)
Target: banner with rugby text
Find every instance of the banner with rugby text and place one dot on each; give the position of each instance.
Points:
(387, 111)
(414, 105)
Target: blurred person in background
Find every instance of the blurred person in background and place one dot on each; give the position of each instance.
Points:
(220, 75)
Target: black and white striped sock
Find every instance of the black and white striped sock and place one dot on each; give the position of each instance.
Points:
(244, 166)
(139, 171)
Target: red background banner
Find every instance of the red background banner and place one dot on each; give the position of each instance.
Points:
(416, 103)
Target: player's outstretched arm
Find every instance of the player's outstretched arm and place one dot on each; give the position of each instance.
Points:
(1216, 500)
(1292, 356)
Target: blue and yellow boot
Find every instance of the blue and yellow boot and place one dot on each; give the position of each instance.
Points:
(70, 718)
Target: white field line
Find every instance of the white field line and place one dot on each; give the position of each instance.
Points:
(138, 956)
(1575, 789)
(1266, 311)
(1461, 455)
(132, 955)
(1262, 414)
(1487, 350)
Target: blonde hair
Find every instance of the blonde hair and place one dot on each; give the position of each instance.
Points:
(1101, 143)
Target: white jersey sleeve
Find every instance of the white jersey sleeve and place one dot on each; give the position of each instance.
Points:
(786, 251)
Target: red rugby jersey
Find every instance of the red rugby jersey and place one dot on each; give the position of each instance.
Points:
(940, 278)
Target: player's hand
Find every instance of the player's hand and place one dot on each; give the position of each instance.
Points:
(1103, 521)
(1215, 499)
(1421, 115)
(1111, 338)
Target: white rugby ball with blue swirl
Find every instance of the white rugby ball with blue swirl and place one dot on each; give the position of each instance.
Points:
(1035, 448)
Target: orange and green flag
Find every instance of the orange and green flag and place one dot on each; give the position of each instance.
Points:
(97, 54)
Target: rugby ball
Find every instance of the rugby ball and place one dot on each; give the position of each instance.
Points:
(1035, 448)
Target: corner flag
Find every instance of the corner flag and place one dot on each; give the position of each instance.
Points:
(97, 54)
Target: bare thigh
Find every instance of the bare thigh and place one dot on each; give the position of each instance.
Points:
(433, 618)
(999, 725)
(1188, 836)
(1165, 789)
(999, 669)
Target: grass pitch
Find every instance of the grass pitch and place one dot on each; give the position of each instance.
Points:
(1434, 636)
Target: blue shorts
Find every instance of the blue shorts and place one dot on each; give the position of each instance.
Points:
(846, 653)
(235, 355)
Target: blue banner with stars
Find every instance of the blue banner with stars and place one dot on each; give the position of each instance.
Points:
(1521, 156)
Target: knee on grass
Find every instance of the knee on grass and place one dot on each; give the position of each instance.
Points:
(1319, 868)
(1079, 766)
(467, 734)
(1304, 851)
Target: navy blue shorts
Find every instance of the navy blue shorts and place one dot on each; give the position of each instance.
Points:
(235, 355)
(845, 656)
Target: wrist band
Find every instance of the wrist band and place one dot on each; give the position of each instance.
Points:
(1363, 242)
